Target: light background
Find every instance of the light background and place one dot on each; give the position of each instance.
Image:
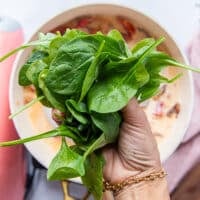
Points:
(179, 17)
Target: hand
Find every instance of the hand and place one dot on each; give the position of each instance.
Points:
(136, 150)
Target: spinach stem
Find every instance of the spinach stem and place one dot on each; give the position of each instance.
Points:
(12, 52)
(100, 142)
(176, 64)
(21, 109)
(59, 131)
(29, 139)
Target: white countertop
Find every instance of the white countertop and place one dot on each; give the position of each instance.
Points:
(179, 17)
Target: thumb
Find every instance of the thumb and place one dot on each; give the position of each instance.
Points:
(137, 145)
(134, 115)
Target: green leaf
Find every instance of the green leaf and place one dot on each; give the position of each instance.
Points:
(115, 34)
(148, 91)
(93, 178)
(71, 34)
(108, 124)
(23, 80)
(78, 106)
(73, 59)
(117, 90)
(75, 132)
(141, 75)
(152, 87)
(96, 144)
(114, 48)
(43, 41)
(57, 42)
(141, 46)
(125, 64)
(34, 71)
(112, 91)
(66, 164)
(69, 68)
(92, 72)
(50, 97)
(36, 56)
(156, 61)
(79, 116)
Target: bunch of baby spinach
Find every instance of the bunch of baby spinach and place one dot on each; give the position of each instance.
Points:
(89, 78)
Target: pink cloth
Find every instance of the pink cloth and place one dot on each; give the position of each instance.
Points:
(188, 152)
(12, 165)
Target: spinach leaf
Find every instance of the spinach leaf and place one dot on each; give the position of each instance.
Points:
(35, 57)
(92, 72)
(71, 34)
(43, 41)
(66, 164)
(34, 71)
(117, 90)
(72, 107)
(152, 87)
(156, 61)
(113, 91)
(54, 102)
(115, 49)
(78, 106)
(125, 64)
(141, 46)
(115, 34)
(69, 68)
(82, 138)
(73, 60)
(95, 144)
(23, 80)
(93, 178)
(108, 124)
(57, 42)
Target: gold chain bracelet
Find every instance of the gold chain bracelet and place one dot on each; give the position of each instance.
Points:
(116, 187)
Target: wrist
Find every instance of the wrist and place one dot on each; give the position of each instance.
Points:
(152, 190)
(123, 175)
(143, 185)
(124, 170)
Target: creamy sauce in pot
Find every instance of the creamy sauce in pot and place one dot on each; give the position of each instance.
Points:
(163, 110)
